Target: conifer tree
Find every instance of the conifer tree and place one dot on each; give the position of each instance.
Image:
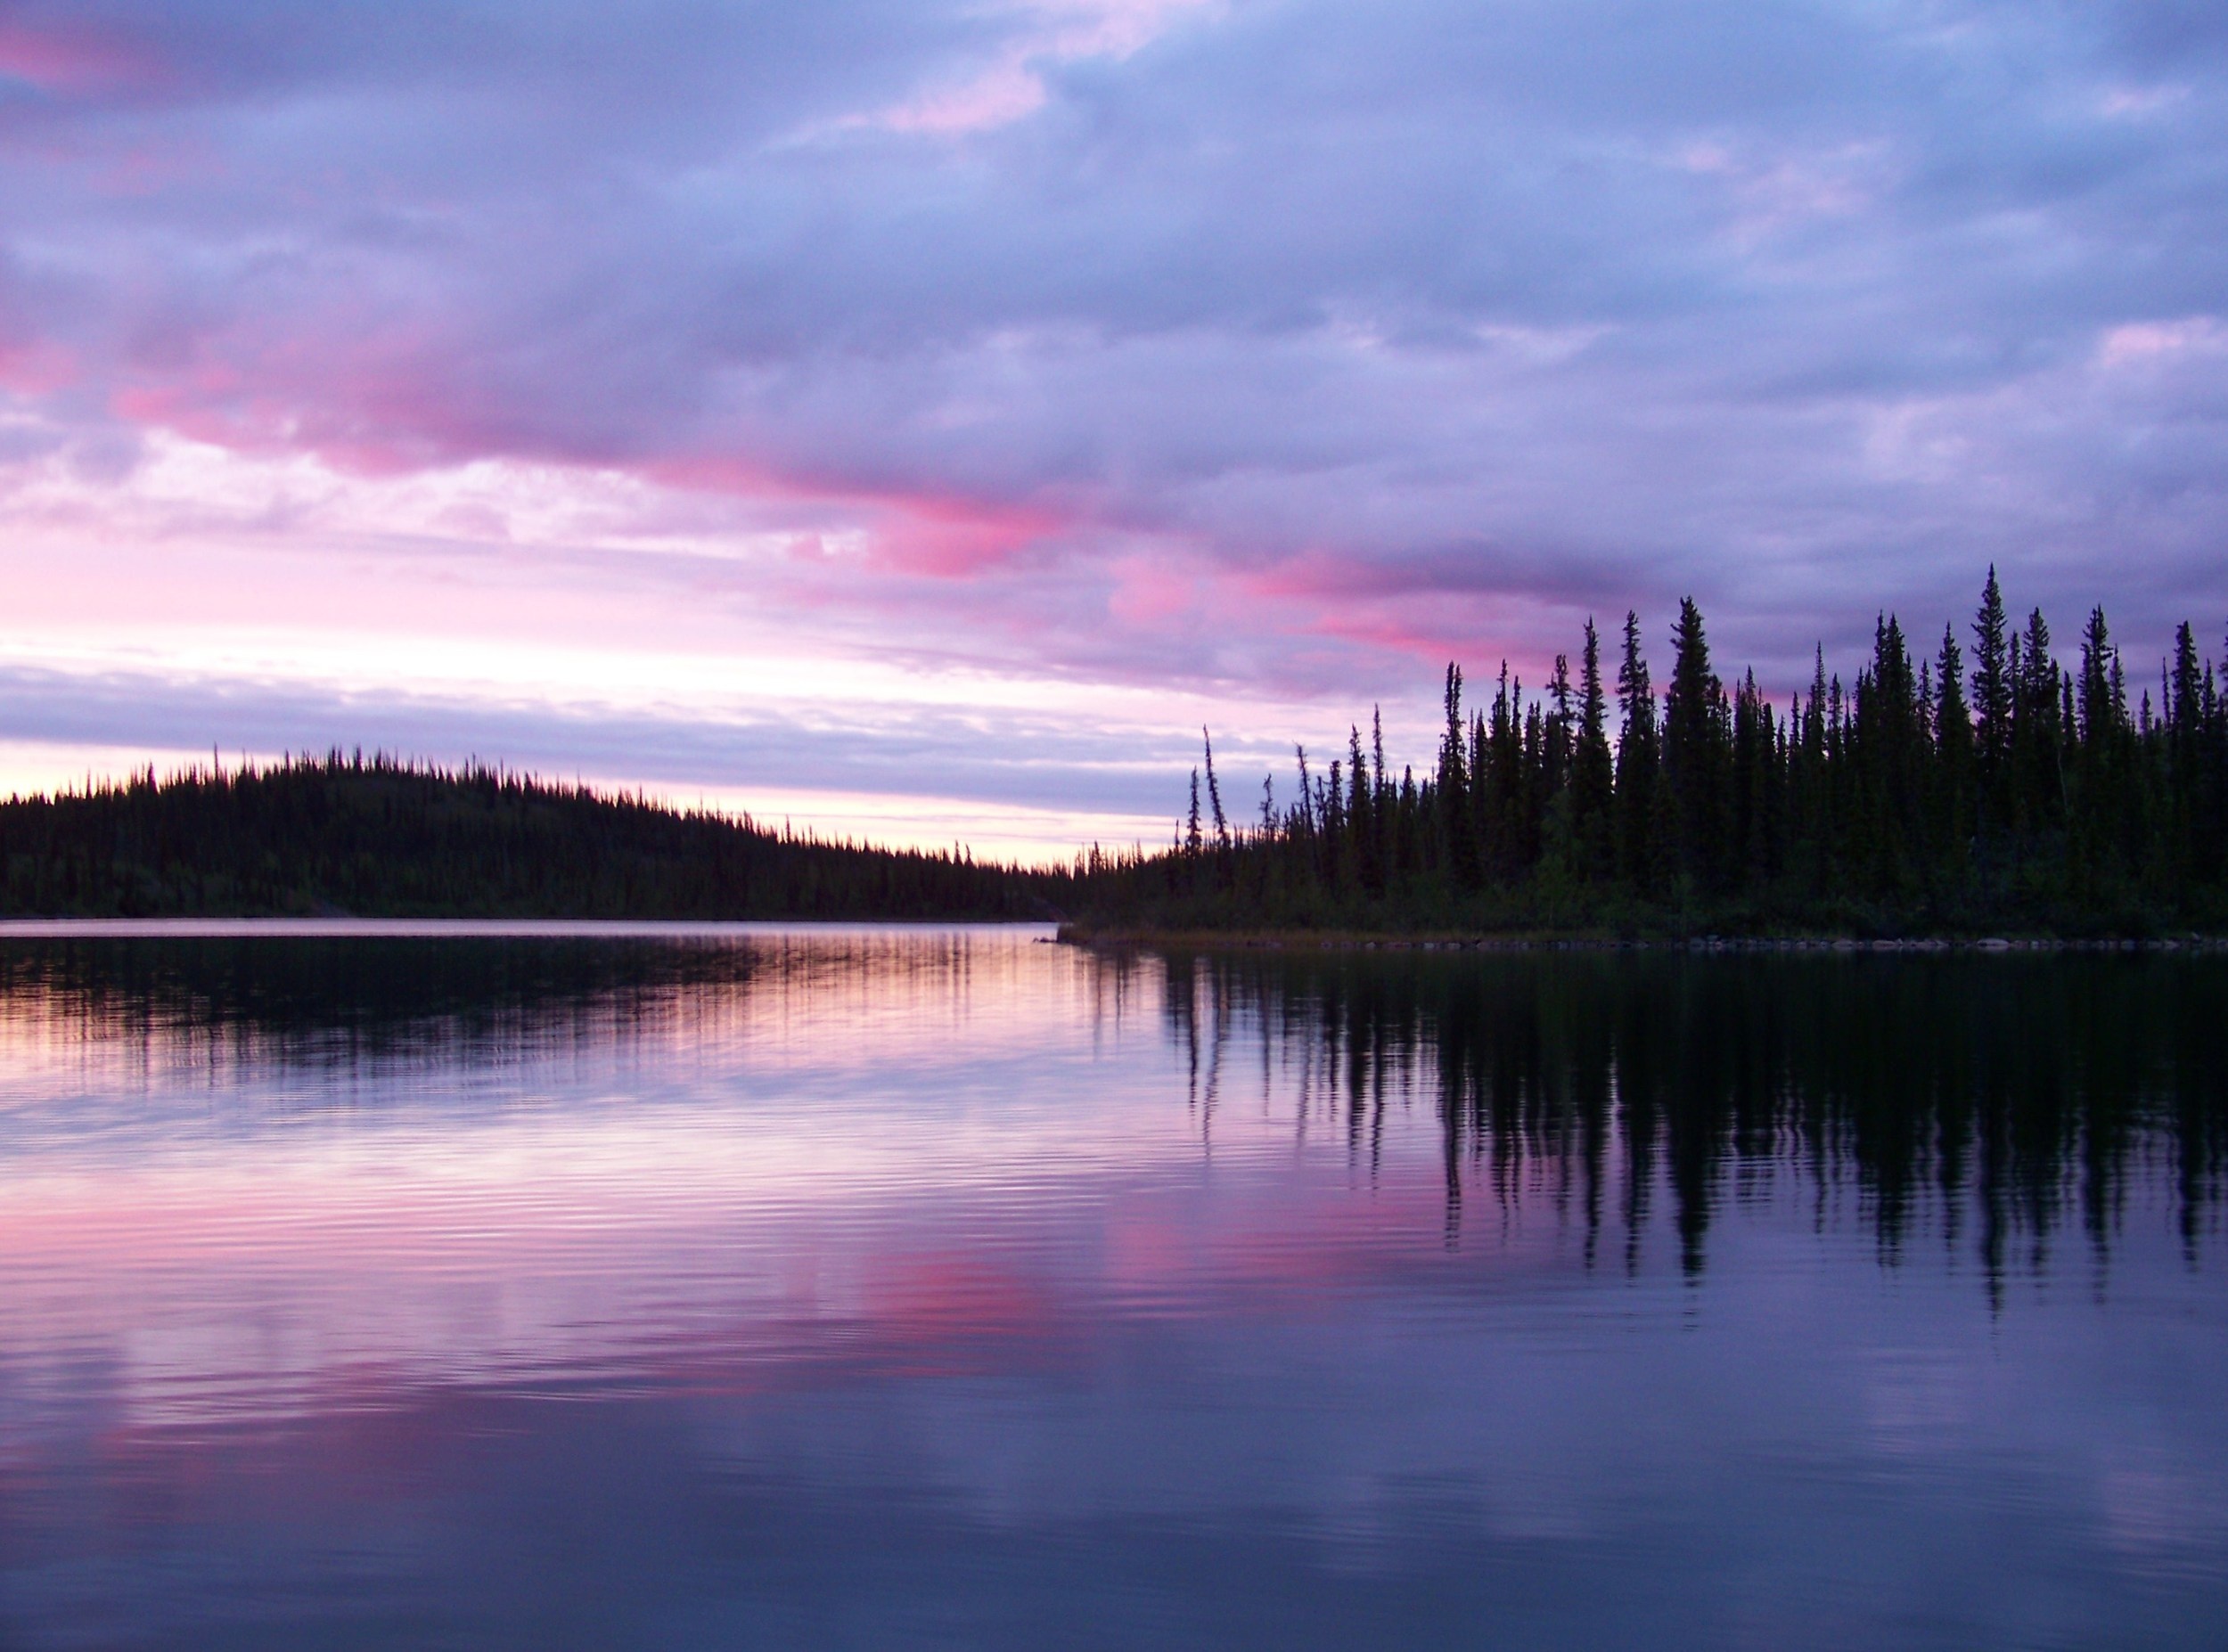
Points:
(1593, 776)
(1809, 790)
(1994, 691)
(1215, 794)
(2103, 785)
(1954, 792)
(1638, 755)
(1458, 843)
(1360, 816)
(1695, 742)
(2187, 716)
(1559, 728)
(1890, 748)
(2037, 723)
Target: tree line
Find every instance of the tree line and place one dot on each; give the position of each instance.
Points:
(1978, 784)
(383, 837)
(1942, 790)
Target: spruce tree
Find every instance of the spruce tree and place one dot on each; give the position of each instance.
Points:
(2038, 790)
(1891, 748)
(1810, 798)
(1361, 816)
(1592, 777)
(1638, 757)
(1953, 762)
(2186, 718)
(1695, 757)
(1458, 845)
(2102, 785)
(1215, 794)
(1993, 690)
(1555, 753)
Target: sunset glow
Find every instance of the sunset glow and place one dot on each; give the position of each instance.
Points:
(918, 421)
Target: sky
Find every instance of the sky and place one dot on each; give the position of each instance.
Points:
(919, 419)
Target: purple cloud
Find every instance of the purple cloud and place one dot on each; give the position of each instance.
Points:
(1278, 349)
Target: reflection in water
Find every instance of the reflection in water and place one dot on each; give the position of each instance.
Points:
(2022, 1088)
(258, 1001)
(942, 1287)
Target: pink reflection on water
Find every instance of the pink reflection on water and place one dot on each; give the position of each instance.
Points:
(904, 1153)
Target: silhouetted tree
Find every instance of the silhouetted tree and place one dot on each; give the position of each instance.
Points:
(1897, 804)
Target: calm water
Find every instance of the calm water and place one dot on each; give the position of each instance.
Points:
(887, 1288)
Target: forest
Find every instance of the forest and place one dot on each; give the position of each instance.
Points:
(377, 836)
(1943, 791)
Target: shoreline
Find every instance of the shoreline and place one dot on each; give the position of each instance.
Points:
(1119, 938)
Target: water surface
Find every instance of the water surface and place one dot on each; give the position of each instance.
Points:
(672, 1288)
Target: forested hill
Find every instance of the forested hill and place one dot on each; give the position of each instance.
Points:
(1939, 790)
(1976, 784)
(378, 837)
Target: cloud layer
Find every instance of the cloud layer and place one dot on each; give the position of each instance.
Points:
(1269, 352)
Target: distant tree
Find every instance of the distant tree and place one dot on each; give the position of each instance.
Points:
(1890, 747)
(1215, 794)
(1593, 773)
(1559, 730)
(1994, 694)
(2104, 789)
(1638, 757)
(1696, 741)
(1452, 788)
(378, 837)
(2193, 807)
(2038, 756)
(1954, 794)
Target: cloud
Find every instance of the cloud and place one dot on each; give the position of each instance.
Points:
(1281, 347)
(1019, 784)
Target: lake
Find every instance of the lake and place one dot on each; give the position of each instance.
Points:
(549, 1286)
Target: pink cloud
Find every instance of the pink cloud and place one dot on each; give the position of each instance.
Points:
(1013, 87)
(68, 59)
(951, 536)
(365, 393)
(1475, 608)
(36, 367)
(1148, 591)
(2150, 341)
(940, 534)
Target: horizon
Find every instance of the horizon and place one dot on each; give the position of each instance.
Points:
(250, 764)
(918, 422)
(902, 823)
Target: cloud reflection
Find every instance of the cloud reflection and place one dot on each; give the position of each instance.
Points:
(558, 1290)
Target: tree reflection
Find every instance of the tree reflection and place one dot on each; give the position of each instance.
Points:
(2024, 1092)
